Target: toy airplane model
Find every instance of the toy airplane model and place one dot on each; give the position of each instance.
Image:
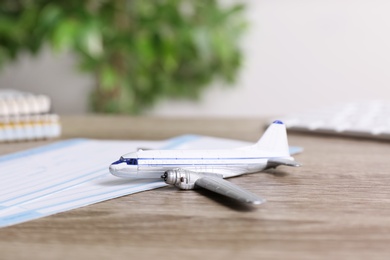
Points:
(188, 169)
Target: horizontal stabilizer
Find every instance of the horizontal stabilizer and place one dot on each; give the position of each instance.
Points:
(279, 161)
(228, 189)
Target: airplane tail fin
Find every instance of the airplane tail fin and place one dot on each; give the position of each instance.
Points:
(274, 140)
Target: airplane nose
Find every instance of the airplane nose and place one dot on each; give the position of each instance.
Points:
(113, 169)
(117, 168)
(123, 170)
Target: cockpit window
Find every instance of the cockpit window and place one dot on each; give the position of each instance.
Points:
(132, 161)
(121, 160)
(128, 161)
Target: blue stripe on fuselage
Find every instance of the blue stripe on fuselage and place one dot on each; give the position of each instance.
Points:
(198, 164)
(199, 161)
(206, 158)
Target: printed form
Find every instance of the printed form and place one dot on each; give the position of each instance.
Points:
(74, 173)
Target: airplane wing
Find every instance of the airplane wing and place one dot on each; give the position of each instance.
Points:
(228, 189)
(273, 163)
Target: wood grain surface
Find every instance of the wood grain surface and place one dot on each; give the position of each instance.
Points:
(336, 206)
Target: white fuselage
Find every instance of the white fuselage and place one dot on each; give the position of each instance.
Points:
(153, 163)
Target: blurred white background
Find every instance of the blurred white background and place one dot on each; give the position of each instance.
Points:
(298, 55)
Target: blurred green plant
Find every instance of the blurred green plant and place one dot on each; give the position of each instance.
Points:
(139, 51)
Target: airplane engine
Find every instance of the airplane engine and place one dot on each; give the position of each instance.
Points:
(180, 178)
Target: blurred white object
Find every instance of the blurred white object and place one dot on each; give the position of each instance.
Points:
(360, 119)
(26, 116)
(15, 102)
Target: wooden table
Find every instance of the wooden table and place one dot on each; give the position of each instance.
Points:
(336, 206)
